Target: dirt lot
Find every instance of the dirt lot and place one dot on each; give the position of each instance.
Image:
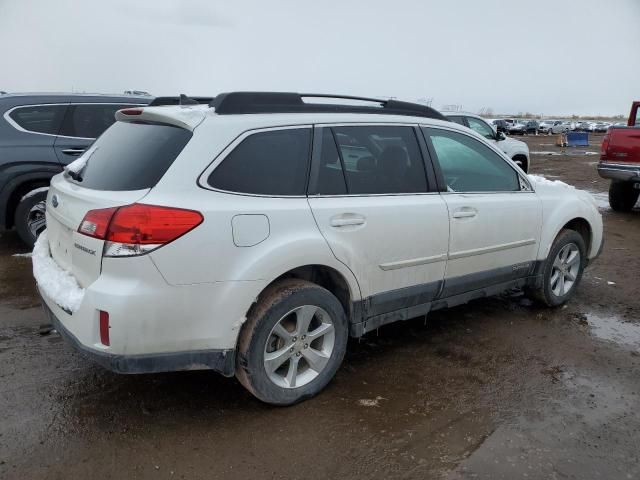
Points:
(499, 388)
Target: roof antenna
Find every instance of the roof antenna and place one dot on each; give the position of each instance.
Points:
(184, 100)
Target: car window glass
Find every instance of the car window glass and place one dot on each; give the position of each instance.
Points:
(481, 127)
(637, 124)
(381, 159)
(457, 119)
(39, 118)
(266, 163)
(89, 121)
(132, 156)
(330, 176)
(469, 166)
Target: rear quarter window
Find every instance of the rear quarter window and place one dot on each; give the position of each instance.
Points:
(132, 156)
(266, 163)
(39, 118)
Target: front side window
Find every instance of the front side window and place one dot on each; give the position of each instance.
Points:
(469, 166)
(89, 121)
(374, 160)
(481, 127)
(637, 124)
(39, 118)
(266, 163)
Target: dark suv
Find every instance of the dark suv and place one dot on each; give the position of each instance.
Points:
(39, 134)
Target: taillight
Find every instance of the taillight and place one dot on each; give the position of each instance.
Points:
(95, 222)
(604, 147)
(137, 229)
(104, 328)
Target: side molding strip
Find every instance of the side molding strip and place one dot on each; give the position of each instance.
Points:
(494, 248)
(413, 262)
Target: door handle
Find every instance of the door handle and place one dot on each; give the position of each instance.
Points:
(347, 220)
(73, 151)
(465, 212)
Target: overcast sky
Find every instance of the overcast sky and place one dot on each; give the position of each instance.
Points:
(542, 56)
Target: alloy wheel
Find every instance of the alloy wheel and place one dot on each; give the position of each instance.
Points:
(565, 269)
(299, 346)
(36, 221)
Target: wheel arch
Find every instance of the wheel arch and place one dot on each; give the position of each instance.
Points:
(521, 157)
(583, 227)
(327, 277)
(16, 188)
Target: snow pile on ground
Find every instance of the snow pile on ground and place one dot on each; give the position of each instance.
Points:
(34, 192)
(545, 181)
(56, 283)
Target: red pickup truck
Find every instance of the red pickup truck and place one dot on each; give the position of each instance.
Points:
(620, 162)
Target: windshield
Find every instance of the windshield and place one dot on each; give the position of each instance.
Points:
(130, 156)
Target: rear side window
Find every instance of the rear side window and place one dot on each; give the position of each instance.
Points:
(39, 118)
(132, 156)
(373, 160)
(266, 163)
(89, 121)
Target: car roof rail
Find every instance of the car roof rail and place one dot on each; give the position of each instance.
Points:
(181, 100)
(289, 102)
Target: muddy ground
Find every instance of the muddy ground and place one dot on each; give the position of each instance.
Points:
(498, 388)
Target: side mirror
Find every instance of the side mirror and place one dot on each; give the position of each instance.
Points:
(500, 136)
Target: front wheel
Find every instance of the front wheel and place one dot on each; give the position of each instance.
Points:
(622, 196)
(30, 216)
(293, 342)
(562, 269)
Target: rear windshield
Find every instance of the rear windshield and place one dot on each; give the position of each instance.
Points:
(132, 156)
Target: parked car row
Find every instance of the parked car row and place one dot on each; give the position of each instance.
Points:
(520, 127)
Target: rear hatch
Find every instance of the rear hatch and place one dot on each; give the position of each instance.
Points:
(119, 169)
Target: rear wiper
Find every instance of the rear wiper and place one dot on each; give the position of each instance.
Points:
(77, 166)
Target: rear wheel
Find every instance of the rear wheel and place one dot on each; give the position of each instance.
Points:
(562, 269)
(293, 342)
(622, 196)
(29, 218)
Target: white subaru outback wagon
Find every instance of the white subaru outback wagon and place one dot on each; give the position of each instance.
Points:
(253, 233)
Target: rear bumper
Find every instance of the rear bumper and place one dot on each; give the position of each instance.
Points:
(625, 173)
(222, 361)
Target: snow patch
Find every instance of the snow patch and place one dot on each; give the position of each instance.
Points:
(370, 402)
(79, 163)
(26, 255)
(34, 192)
(545, 181)
(57, 284)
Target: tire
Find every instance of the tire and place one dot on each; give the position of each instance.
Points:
(287, 304)
(622, 196)
(29, 217)
(549, 293)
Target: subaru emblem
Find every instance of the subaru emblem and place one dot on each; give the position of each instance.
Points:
(54, 201)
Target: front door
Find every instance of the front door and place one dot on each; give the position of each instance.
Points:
(369, 195)
(495, 217)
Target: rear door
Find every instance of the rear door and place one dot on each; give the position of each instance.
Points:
(82, 124)
(371, 200)
(121, 167)
(495, 217)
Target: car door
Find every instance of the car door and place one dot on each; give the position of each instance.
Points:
(495, 217)
(372, 202)
(82, 124)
